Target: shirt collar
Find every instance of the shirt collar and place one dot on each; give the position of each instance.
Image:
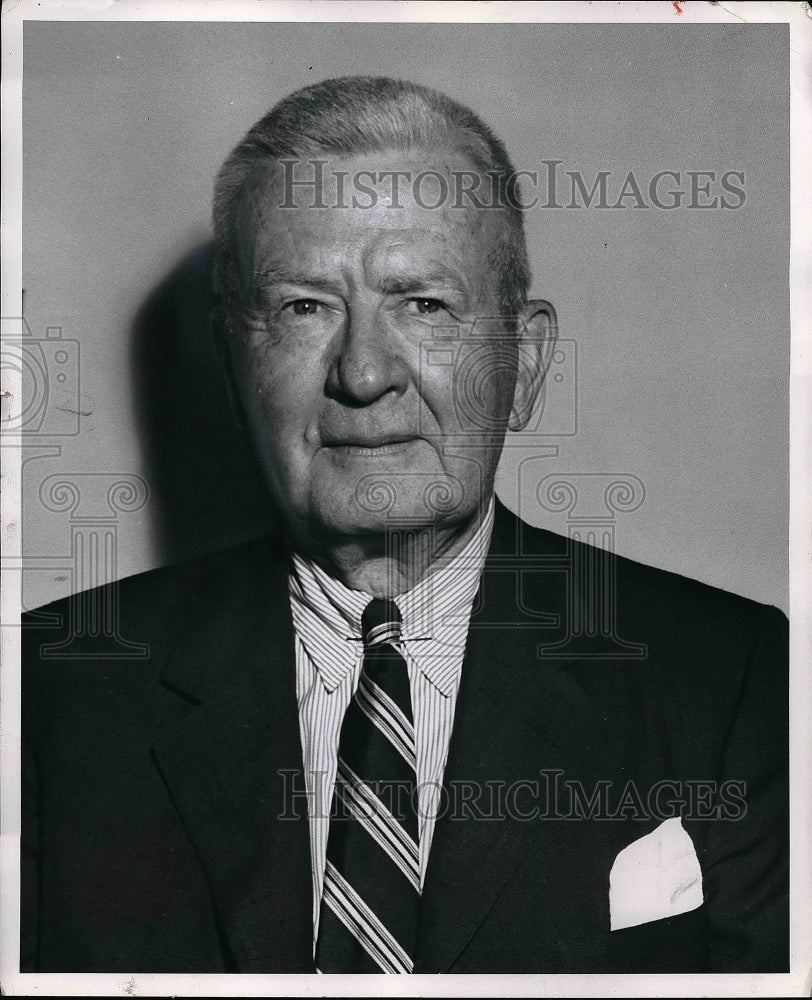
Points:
(436, 612)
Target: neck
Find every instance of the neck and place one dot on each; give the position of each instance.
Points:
(387, 565)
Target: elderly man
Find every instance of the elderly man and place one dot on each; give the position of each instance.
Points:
(372, 743)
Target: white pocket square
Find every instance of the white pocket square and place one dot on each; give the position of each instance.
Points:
(657, 876)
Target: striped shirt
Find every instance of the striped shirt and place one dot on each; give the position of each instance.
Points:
(329, 655)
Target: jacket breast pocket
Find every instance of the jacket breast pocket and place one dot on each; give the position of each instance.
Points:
(674, 944)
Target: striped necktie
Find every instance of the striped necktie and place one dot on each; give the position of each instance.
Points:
(371, 894)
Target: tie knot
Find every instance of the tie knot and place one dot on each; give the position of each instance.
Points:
(380, 622)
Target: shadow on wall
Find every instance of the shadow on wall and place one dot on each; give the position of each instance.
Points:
(206, 491)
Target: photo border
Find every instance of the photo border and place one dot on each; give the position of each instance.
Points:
(799, 980)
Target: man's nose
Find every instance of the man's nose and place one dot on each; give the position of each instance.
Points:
(367, 363)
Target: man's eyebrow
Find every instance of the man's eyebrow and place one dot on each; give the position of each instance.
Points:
(412, 283)
(394, 285)
(277, 275)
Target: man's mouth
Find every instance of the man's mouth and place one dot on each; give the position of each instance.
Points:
(371, 447)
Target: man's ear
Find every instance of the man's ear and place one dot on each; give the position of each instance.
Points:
(536, 333)
(221, 337)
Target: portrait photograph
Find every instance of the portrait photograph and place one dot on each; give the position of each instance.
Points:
(406, 499)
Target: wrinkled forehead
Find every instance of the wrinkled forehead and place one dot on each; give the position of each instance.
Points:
(437, 200)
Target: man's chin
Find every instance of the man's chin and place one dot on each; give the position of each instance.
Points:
(380, 504)
(340, 524)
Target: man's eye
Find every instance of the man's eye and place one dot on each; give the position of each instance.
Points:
(303, 307)
(427, 306)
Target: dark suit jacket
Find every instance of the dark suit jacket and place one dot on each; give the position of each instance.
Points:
(153, 787)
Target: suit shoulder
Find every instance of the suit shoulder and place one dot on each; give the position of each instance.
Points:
(645, 592)
(165, 586)
(132, 623)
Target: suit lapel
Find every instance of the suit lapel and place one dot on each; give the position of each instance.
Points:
(234, 757)
(232, 761)
(515, 714)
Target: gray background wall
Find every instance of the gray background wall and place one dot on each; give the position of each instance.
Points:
(680, 318)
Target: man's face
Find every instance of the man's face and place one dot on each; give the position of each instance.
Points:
(348, 391)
